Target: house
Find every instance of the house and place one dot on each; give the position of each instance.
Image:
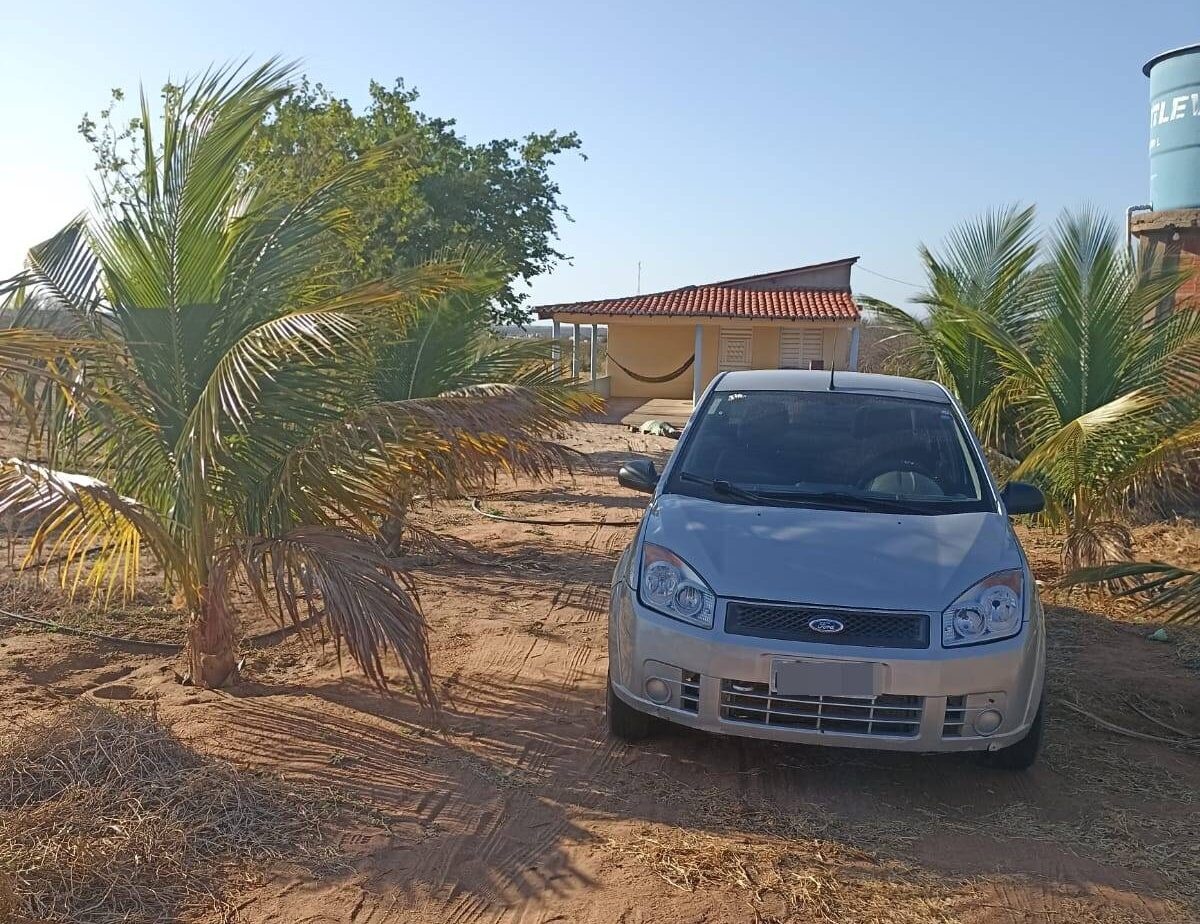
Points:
(671, 344)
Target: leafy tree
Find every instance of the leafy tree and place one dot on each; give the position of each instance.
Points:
(217, 375)
(441, 194)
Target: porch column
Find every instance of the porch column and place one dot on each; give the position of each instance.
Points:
(592, 359)
(575, 350)
(556, 349)
(698, 365)
(854, 350)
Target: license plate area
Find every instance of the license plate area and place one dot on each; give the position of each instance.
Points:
(809, 677)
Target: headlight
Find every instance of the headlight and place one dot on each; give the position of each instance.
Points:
(991, 610)
(670, 586)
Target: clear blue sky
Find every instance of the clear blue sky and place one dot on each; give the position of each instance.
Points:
(722, 139)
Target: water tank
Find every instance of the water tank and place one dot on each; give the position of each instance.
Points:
(1175, 128)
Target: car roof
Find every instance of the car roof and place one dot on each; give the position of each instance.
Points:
(816, 380)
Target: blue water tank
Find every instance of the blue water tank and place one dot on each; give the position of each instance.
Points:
(1175, 128)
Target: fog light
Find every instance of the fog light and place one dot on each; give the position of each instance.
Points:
(658, 690)
(988, 721)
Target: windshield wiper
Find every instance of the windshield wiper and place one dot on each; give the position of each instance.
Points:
(762, 498)
(720, 486)
(856, 501)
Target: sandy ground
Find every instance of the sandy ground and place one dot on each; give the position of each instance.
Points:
(518, 809)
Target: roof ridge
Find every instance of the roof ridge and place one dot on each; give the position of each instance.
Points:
(722, 301)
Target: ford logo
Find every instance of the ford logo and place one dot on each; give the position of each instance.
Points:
(828, 626)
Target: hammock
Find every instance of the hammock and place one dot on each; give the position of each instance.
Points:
(655, 379)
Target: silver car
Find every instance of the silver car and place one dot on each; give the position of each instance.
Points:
(826, 560)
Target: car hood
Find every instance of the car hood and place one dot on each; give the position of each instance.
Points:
(833, 557)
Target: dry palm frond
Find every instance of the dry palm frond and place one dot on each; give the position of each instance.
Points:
(1173, 590)
(346, 581)
(93, 531)
(1092, 544)
(444, 446)
(105, 817)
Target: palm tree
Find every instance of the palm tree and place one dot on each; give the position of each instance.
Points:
(219, 386)
(986, 268)
(1102, 388)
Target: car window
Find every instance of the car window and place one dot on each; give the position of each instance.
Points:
(791, 443)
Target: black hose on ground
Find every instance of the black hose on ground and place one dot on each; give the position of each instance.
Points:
(477, 507)
(253, 641)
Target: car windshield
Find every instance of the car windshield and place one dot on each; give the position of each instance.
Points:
(831, 449)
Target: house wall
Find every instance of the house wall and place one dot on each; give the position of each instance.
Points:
(656, 349)
(1173, 237)
(651, 350)
(833, 276)
(764, 348)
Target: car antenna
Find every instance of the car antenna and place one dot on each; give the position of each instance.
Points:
(832, 368)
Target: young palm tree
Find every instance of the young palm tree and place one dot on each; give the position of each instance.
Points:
(986, 268)
(1104, 391)
(220, 388)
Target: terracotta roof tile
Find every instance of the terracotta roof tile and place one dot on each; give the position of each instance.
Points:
(723, 301)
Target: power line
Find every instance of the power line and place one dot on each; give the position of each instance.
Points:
(902, 282)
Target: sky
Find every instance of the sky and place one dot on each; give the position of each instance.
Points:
(721, 139)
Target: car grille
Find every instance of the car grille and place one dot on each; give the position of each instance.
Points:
(879, 629)
(886, 715)
(689, 692)
(956, 717)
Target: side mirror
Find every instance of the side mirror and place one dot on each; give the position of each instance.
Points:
(638, 475)
(1022, 497)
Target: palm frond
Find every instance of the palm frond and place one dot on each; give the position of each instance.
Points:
(1173, 589)
(985, 269)
(353, 468)
(92, 530)
(1086, 451)
(345, 581)
(231, 394)
(34, 352)
(918, 353)
(344, 326)
(61, 280)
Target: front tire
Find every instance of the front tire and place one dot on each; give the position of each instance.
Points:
(624, 721)
(1023, 754)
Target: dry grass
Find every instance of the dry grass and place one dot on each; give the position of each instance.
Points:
(106, 817)
(148, 615)
(818, 867)
(783, 880)
(1120, 837)
(1187, 645)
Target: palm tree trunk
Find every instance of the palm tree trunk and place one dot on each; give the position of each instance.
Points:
(391, 531)
(1092, 539)
(211, 654)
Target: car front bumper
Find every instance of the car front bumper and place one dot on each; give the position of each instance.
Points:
(704, 670)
